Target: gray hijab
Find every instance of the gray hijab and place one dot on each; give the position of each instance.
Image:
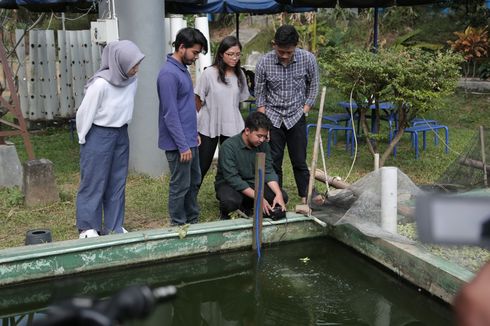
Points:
(117, 59)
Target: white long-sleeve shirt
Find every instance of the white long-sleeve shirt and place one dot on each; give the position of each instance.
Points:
(105, 105)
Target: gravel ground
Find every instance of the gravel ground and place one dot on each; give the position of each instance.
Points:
(472, 258)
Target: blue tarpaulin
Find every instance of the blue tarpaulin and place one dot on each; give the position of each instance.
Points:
(357, 3)
(171, 6)
(234, 6)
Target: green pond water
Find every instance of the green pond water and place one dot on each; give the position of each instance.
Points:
(315, 282)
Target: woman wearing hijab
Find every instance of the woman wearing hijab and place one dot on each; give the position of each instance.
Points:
(219, 92)
(102, 127)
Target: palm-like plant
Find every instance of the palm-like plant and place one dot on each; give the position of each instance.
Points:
(473, 44)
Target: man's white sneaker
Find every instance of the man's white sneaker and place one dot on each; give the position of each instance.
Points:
(124, 230)
(91, 233)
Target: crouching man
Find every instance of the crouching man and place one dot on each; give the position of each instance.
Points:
(235, 179)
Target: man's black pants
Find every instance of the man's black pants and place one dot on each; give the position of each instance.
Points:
(295, 138)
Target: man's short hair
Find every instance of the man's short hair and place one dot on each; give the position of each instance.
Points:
(256, 121)
(189, 37)
(286, 35)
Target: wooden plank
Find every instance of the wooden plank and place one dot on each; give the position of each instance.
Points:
(66, 98)
(34, 92)
(42, 81)
(86, 47)
(78, 79)
(52, 100)
(96, 54)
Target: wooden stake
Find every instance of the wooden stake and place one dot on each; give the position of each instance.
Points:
(307, 208)
(483, 156)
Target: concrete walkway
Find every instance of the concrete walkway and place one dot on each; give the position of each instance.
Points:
(250, 27)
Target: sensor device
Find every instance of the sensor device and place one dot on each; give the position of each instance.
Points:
(450, 219)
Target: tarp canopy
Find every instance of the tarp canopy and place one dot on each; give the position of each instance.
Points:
(360, 4)
(62, 5)
(357, 3)
(234, 6)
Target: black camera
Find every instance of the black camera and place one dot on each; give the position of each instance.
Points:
(277, 213)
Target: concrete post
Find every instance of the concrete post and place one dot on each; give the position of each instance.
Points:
(143, 23)
(39, 185)
(10, 167)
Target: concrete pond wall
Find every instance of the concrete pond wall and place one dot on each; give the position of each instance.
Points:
(65, 258)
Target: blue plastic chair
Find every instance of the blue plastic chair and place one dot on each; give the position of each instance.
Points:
(331, 129)
(414, 131)
(421, 121)
(337, 118)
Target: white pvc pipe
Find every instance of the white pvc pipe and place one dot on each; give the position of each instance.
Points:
(376, 161)
(389, 195)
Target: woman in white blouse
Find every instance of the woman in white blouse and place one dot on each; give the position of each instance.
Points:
(102, 127)
(219, 92)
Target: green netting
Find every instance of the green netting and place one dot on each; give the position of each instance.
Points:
(466, 172)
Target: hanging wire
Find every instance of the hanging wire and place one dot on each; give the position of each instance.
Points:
(354, 131)
(89, 10)
(50, 19)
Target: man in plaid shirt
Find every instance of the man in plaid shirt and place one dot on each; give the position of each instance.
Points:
(286, 86)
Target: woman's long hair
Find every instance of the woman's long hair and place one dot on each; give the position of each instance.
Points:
(220, 64)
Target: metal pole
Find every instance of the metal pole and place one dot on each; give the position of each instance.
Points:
(237, 22)
(143, 23)
(375, 36)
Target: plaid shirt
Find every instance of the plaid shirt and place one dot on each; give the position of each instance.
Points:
(284, 90)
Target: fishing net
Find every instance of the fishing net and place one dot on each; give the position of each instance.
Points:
(361, 202)
(466, 172)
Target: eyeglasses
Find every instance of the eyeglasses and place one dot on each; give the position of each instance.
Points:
(233, 55)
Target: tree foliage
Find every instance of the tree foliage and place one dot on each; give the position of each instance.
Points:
(414, 80)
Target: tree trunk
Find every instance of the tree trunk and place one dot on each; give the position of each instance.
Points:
(334, 182)
(474, 164)
(366, 131)
(391, 146)
(402, 124)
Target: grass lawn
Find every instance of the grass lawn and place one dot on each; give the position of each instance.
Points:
(146, 198)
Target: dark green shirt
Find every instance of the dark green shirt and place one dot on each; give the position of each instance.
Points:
(236, 164)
